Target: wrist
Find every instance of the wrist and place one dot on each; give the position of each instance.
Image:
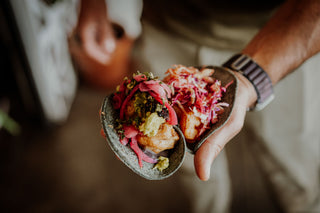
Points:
(254, 73)
(267, 61)
(247, 90)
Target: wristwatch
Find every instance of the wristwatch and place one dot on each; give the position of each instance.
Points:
(256, 75)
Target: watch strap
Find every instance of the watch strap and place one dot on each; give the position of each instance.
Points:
(256, 75)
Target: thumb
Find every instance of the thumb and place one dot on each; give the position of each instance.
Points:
(210, 149)
(205, 156)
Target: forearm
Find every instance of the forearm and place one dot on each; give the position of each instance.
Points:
(290, 37)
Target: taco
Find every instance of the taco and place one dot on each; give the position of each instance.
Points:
(196, 98)
(146, 118)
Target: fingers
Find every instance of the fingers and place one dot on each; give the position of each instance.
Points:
(99, 44)
(106, 37)
(95, 32)
(215, 143)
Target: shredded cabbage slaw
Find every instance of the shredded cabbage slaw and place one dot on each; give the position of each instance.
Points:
(196, 90)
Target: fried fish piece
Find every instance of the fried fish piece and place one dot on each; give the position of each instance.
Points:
(190, 125)
(166, 138)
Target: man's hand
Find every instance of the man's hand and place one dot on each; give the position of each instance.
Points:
(246, 97)
(94, 33)
(100, 49)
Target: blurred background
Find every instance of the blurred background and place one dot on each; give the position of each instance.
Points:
(52, 156)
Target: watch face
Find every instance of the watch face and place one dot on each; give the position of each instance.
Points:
(43, 31)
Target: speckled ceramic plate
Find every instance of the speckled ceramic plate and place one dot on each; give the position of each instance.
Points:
(225, 76)
(127, 155)
(176, 155)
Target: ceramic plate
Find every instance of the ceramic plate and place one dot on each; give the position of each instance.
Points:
(127, 155)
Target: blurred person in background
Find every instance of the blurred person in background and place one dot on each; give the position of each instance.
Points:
(102, 40)
(278, 37)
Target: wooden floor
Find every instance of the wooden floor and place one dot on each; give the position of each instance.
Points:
(70, 169)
